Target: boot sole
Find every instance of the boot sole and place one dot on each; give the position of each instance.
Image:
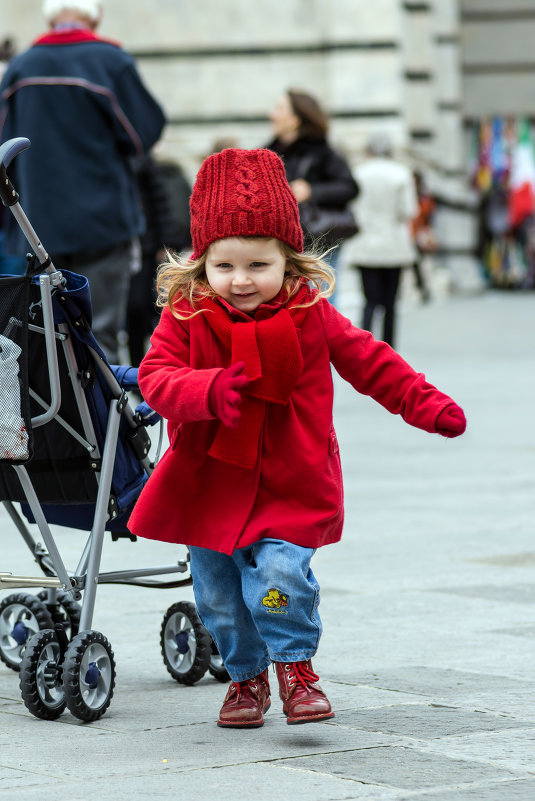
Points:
(246, 724)
(309, 718)
(254, 724)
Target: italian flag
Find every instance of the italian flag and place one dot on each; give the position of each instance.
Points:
(522, 181)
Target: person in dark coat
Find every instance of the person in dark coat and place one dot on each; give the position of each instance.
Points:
(315, 171)
(80, 100)
(9, 265)
(164, 191)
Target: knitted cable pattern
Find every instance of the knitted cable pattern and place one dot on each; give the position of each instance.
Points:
(243, 193)
(247, 187)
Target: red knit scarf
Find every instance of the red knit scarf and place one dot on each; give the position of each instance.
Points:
(273, 363)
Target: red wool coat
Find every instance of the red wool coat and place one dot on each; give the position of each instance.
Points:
(294, 492)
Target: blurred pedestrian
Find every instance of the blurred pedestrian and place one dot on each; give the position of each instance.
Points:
(164, 192)
(9, 265)
(222, 143)
(81, 102)
(386, 205)
(319, 177)
(423, 233)
(240, 366)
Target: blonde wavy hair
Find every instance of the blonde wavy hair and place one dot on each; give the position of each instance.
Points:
(181, 278)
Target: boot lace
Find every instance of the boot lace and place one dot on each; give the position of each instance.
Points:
(240, 686)
(300, 673)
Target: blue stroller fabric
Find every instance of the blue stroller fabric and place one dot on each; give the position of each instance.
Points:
(127, 378)
(61, 468)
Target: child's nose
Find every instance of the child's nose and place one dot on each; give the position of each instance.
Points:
(241, 277)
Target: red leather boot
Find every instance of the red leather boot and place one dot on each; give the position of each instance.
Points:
(303, 700)
(245, 703)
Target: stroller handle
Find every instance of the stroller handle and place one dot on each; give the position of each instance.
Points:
(10, 198)
(8, 151)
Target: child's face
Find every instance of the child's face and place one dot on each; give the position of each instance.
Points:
(245, 271)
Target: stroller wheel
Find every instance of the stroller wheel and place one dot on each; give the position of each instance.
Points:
(65, 611)
(217, 666)
(21, 616)
(88, 675)
(40, 676)
(186, 645)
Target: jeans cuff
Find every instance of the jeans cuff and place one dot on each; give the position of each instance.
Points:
(302, 656)
(250, 674)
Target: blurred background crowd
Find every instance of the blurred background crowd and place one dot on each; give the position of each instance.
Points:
(443, 89)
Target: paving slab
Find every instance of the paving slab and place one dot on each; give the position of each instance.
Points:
(516, 790)
(513, 749)
(259, 783)
(430, 721)
(402, 767)
(429, 681)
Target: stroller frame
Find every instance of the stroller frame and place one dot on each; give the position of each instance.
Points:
(80, 674)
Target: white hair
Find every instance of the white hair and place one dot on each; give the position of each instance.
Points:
(89, 8)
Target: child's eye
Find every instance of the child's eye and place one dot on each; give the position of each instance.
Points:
(224, 265)
(258, 264)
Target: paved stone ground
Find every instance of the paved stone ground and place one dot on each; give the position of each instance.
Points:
(427, 604)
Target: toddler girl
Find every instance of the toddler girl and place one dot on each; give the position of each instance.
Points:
(240, 366)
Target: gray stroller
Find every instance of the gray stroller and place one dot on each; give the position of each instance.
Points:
(73, 452)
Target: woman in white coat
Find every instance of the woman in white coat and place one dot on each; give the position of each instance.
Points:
(386, 204)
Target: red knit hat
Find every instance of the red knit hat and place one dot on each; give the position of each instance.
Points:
(243, 193)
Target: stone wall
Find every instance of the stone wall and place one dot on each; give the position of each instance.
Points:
(498, 57)
(218, 67)
(394, 66)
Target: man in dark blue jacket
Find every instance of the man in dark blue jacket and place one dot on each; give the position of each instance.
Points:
(81, 102)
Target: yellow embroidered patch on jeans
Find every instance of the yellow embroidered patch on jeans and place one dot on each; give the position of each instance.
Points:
(275, 601)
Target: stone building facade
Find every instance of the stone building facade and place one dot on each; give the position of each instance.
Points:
(416, 70)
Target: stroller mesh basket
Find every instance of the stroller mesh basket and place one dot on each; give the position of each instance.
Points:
(15, 414)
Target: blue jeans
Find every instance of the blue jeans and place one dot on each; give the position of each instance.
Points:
(260, 605)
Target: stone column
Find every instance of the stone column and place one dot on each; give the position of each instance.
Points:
(456, 219)
(419, 78)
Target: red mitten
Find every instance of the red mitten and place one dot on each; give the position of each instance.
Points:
(451, 421)
(224, 396)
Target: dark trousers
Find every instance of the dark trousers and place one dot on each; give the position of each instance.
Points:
(141, 315)
(419, 278)
(108, 273)
(380, 286)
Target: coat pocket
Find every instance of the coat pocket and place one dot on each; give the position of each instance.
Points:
(333, 442)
